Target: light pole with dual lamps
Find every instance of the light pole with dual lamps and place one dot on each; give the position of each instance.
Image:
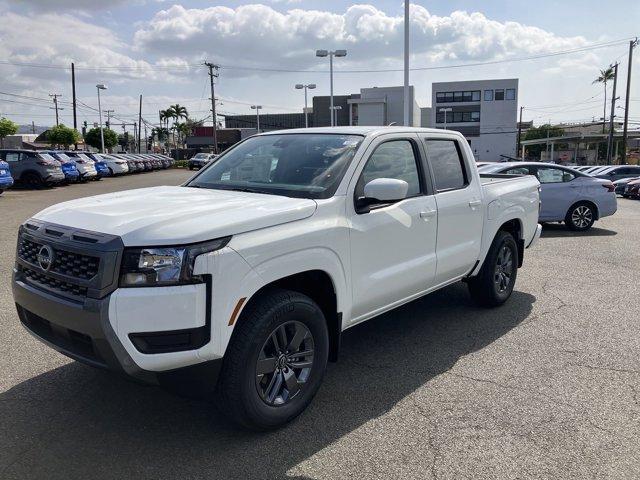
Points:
(331, 54)
(99, 87)
(310, 86)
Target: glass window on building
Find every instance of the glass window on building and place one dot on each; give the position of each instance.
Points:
(510, 94)
(475, 96)
(488, 95)
(499, 94)
(475, 116)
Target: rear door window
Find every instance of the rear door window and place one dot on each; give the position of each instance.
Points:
(447, 164)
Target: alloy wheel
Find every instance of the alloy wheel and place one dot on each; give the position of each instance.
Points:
(582, 216)
(284, 363)
(504, 269)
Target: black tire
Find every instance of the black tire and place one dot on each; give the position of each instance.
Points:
(497, 277)
(33, 180)
(190, 167)
(1, 191)
(580, 217)
(242, 393)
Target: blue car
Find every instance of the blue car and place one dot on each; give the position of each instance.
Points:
(71, 174)
(101, 165)
(6, 180)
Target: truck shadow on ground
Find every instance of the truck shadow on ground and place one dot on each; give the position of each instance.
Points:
(557, 230)
(77, 422)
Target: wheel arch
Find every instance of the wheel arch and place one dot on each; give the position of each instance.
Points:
(319, 286)
(514, 227)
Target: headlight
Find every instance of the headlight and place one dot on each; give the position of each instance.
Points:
(161, 266)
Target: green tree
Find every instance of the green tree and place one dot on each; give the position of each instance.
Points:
(605, 75)
(93, 138)
(7, 127)
(543, 131)
(61, 135)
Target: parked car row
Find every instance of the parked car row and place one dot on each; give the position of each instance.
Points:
(41, 168)
(610, 172)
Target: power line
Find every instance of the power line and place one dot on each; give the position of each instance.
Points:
(174, 68)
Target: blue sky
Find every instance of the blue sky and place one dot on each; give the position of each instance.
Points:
(153, 47)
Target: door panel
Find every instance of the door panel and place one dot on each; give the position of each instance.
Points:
(459, 200)
(393, 253)
(393, 246)
(556, 195)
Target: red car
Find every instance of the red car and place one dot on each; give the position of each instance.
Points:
(632, 190)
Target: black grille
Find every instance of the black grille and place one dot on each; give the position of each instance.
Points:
(67, 263)
(53, 283)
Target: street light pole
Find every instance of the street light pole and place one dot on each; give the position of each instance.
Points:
(406, 63)
(331, 54)
(632, 45)
(99, 87)
(445, 110)
(300, 86)
(257, 109)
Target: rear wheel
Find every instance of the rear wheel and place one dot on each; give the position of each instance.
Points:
(580, 217)
(497, 277)
(275, 361)
(33, 180)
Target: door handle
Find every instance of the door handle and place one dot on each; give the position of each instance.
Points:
(474, 203)
(427, 214)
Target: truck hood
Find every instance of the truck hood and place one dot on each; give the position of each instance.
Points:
(176, 215)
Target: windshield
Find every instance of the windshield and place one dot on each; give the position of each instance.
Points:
(84, 157)
(301, 165)
(63, 156)
(201, 156)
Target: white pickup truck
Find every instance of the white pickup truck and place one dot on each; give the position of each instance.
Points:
(241, 281)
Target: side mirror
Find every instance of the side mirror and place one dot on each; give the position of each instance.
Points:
(382, 190)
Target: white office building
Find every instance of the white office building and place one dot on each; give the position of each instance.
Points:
(484, 111)
(382, 106)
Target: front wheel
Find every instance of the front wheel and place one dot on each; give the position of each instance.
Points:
(497, 277)
(580, 217)
(275, 362)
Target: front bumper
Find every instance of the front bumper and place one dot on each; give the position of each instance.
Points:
(85, 332)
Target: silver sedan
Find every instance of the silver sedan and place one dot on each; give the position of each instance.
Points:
(566, 195)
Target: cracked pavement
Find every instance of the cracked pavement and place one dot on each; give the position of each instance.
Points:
(546, 386)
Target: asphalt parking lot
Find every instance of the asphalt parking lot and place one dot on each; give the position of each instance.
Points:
(547, 386)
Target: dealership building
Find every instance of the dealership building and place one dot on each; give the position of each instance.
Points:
(484, 111)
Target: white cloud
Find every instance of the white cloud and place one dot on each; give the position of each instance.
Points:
(261, 35)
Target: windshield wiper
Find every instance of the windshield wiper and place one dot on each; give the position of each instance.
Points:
(243, 189)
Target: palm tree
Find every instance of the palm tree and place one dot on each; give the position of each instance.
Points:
(605, 75)
(179, 111)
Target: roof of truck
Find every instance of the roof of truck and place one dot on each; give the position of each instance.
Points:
(361, 130)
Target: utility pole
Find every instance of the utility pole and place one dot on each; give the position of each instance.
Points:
(613, 111)
(632, 45)
(73, 92)
(519, 134)
(213, 74)
(139, 123)
(108, 112)
(33, 126)
(407, 121)
(55, 103)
